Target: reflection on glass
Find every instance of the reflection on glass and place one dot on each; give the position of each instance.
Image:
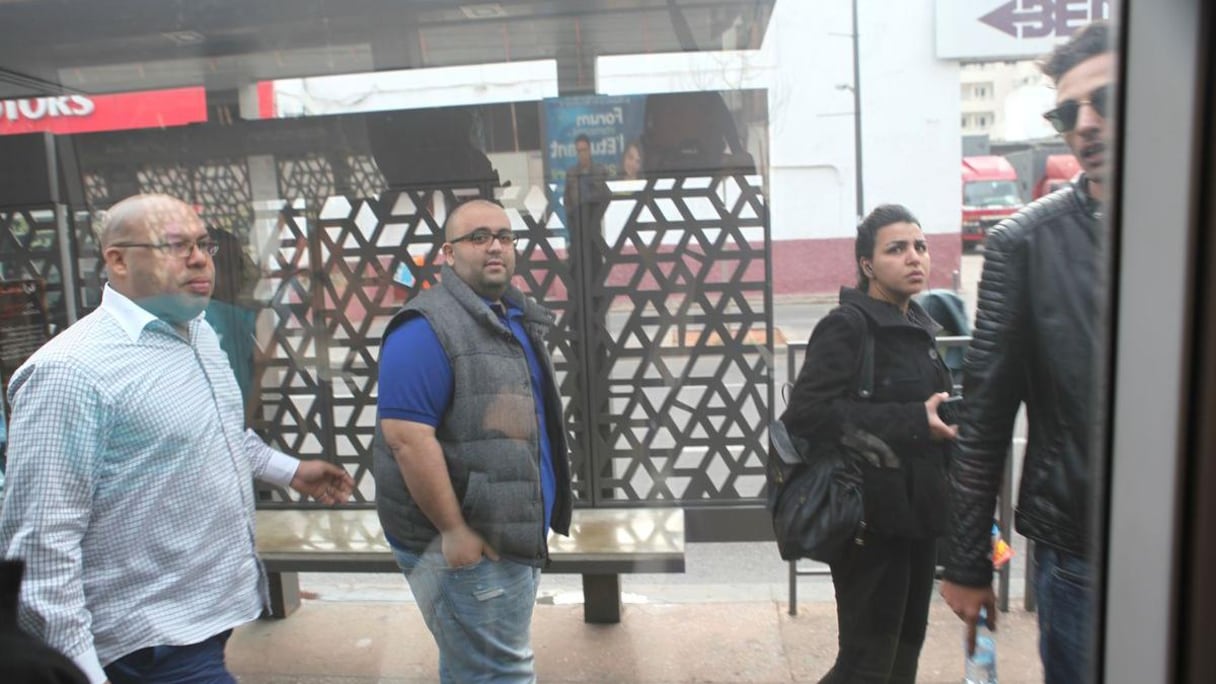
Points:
(685, 181)
(991, 194)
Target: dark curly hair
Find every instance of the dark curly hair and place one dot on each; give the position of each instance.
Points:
(1090, 41)
(867, 234)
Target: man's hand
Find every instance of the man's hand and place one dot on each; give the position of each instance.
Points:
(462, 546)
(966, 603)
(323, 481)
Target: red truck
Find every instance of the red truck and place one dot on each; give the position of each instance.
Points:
(990, 194)
(1058, 170)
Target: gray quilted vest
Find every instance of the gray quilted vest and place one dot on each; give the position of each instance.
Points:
(489, 432)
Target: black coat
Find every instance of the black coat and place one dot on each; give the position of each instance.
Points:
(1036, 341)
(907, 371)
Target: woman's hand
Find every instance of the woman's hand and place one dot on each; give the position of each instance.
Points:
(938, 430)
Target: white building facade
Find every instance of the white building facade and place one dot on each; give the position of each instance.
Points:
(909, 127)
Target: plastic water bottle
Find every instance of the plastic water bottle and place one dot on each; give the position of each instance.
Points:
(980, 666)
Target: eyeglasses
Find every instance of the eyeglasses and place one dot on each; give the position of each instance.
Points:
(178, 248)
(1064, 117)
(482, 236)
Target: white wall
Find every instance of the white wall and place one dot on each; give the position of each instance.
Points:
(811, 192)
(911, 137)
(678, 72)
(910, 107)
(910, 114)
(409, 89)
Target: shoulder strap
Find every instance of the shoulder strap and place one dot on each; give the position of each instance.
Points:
(865, 386)
(865, 376)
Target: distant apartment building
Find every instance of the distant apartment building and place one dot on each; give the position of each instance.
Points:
(1005, 100)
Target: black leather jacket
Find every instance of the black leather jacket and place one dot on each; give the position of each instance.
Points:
(1036, 341)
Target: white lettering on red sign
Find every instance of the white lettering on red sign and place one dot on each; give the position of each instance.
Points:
(34, 109)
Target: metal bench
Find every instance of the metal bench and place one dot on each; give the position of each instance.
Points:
(603, 544)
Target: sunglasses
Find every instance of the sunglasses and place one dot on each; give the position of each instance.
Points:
(1064, 117)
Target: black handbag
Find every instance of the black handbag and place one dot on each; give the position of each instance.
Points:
(816, 495)
(817, 504)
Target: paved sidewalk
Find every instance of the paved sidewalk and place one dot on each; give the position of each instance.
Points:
(369, 642)
(724, 621)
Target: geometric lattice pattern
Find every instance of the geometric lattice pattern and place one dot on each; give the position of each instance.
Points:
(96, 191)
(29, 248)
(663, 346)
(363, 176)
(290, 395)
(333, 324)
(316, 177)
(90, 266)
(219, 187)
(679, 308)
(308, 178)
(544, 270)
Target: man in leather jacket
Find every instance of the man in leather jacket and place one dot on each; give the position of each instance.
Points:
(1035, 341)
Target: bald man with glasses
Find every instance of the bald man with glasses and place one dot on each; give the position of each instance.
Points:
(129, 490)
(470, 455)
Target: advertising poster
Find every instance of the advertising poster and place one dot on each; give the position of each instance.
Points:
(610, 123)
(23, 323)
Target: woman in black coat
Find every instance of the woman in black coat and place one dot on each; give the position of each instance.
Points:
(883, 586)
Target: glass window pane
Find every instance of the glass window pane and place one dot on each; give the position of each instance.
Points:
(717, 203)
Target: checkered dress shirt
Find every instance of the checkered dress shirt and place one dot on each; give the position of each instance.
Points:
(129, 488)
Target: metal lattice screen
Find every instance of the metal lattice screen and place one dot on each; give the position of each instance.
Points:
(663, 345)
(30, 248)
(662, 348)
(679, 328)
(219, 187)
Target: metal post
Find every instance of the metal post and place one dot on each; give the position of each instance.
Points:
(857, 113)
(793, 610)
(67, 262)
(1006, 527)
(1029, 602)
(67, 255)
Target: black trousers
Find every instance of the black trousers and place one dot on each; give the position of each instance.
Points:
(883, 591)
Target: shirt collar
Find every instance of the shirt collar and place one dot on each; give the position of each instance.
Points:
(504, 304)
(131, 317)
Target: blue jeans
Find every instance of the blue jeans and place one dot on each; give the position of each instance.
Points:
(1062, 585)
(201, 663)
(480, 615)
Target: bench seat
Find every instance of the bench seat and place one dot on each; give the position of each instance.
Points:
(603, 544)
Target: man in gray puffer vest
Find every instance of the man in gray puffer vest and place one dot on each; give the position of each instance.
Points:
(470, 452)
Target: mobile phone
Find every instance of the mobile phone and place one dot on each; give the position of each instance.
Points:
(951, 409)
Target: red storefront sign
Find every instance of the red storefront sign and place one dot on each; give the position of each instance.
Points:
(67, 114)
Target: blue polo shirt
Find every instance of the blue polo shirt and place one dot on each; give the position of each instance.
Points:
(416, 384)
